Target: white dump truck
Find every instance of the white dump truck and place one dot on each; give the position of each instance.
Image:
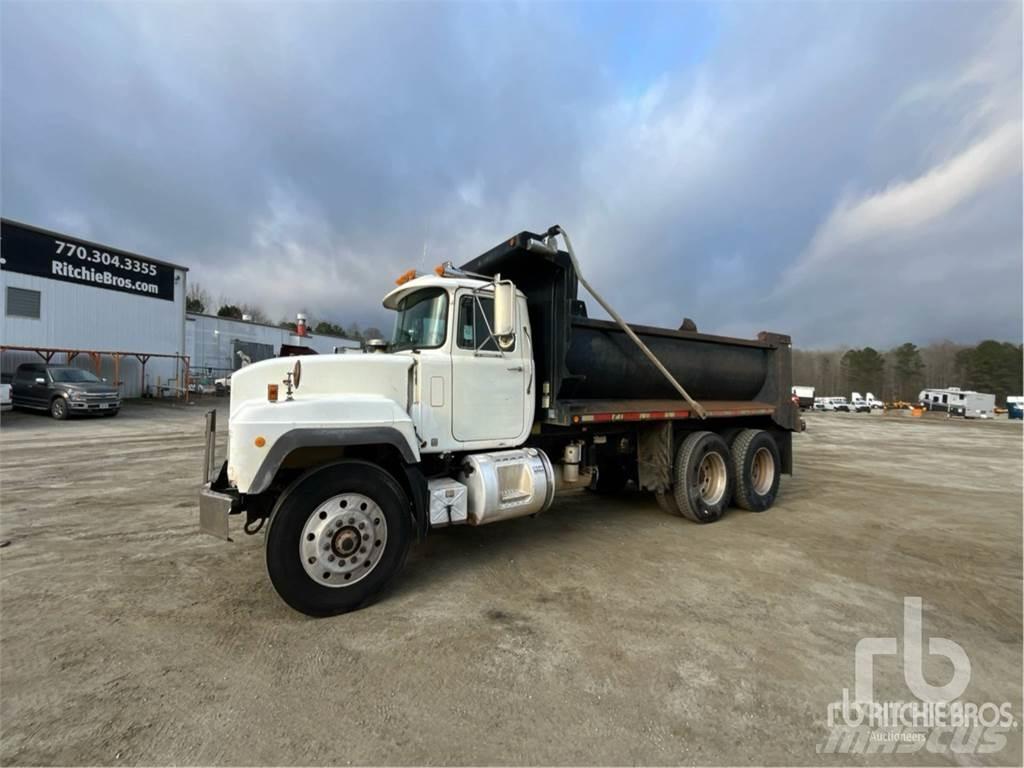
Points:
(496, 393)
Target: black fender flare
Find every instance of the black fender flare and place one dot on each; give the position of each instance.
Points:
(317, 437)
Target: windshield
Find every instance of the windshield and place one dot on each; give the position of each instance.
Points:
(422, 320)
(71, 374)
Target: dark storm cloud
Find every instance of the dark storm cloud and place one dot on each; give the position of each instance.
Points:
(824, 171)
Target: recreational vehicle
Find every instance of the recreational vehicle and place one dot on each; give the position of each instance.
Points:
(958, 402)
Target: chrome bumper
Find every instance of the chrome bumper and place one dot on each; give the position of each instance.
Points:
(215, 506)
(214, 510)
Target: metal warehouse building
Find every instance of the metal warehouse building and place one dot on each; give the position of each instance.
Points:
(116, 313)
(122, 316)
(217, 346)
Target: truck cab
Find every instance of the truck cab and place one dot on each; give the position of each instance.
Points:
(472, 387)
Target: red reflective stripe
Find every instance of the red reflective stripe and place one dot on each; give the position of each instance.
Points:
(634, 416)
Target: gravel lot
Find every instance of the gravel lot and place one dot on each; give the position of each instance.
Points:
(603, 632)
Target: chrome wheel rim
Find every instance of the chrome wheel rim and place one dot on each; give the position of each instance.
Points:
(762, 471)
(712, 478)
(343, 540)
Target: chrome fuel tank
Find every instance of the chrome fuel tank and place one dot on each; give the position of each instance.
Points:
(506, 484)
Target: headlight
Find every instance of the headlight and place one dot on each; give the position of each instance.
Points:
(74, 395)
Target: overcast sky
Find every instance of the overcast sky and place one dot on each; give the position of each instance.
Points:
(846, 173)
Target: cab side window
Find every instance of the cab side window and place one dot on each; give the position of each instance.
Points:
(473, 324)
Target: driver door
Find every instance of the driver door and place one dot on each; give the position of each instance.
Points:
(488, 384)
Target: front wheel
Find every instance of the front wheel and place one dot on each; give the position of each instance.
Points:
(337, 538)
(59, 408)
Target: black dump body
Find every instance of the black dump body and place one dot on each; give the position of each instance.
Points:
(582, 360)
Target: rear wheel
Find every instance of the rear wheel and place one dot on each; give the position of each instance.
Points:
(337, 538)
(59, 408)
(667, 503)
(756, 465)
(703, 477)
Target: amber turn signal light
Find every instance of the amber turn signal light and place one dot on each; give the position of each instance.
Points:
(272, 392)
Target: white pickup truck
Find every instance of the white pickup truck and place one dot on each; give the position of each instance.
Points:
(496, 393)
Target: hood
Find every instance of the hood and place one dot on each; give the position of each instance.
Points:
(386, 375)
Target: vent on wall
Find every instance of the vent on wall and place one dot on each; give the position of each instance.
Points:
(22, 302)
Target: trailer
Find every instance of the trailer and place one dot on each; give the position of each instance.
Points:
(958, 402)
(803, 396)
(1015, 407)
(496, 393)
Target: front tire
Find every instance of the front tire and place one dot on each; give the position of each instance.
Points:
(59, 408)
(337, 538)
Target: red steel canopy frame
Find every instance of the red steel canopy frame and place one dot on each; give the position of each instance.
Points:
(96, 356)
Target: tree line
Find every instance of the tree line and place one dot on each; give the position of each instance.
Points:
(900, 373)
(199, 300)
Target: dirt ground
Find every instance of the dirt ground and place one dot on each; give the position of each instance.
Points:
(603, 632)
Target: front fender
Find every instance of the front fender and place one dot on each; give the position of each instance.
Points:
(343, 420)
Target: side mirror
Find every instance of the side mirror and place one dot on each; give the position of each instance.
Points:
(505, 312)
(40, 380)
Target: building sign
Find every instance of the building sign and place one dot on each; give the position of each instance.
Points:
(31, 251)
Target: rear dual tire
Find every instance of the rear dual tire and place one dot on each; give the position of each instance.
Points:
(755, 463)
(709, 473)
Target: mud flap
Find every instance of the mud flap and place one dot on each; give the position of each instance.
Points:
(654, 457)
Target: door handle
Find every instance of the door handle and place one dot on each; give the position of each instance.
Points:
(518, 369)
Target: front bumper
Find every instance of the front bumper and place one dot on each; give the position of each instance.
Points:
(98, 407)
(214, 511)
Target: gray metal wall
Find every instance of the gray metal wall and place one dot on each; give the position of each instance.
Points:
(213, 343)
(76, 316)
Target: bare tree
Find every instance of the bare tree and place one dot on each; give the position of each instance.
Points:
(198, 299)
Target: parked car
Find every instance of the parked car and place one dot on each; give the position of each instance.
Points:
(63, 390)
(860, 405)
(836, 404)
(874, 402)
(5, 397)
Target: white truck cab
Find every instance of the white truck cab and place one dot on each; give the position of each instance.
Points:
(446, 384)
